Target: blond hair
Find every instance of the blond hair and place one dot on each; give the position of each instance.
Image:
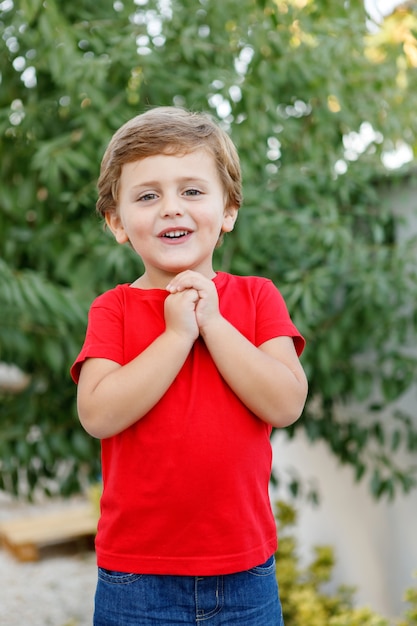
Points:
(167, 130)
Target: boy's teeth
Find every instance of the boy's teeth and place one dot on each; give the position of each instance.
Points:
(175, 233)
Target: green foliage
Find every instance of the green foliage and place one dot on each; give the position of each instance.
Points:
(43, 325)
(410, 617)
(302, 597)
(292, 82)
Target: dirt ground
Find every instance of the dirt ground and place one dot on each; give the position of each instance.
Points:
(56, 590)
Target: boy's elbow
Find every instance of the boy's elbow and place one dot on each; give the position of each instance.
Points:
(102, 423)
(91, 426)
(94, 422)
(282, 419)
(299, 401)
(292, 410)
(292, 416)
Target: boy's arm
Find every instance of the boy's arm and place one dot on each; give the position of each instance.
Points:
(268, 379)
(111, 397)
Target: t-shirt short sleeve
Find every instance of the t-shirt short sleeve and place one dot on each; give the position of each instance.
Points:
(273, 319)
(104, 336)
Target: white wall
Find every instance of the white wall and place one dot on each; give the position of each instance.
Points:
(375, 542)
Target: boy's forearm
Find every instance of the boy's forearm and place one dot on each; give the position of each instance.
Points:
(127, 393)
(267, 386)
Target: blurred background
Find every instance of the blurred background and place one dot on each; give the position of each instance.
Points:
(320, 98)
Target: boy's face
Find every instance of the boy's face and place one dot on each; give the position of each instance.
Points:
(172, 210)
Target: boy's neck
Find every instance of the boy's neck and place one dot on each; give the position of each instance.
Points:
(146, 281)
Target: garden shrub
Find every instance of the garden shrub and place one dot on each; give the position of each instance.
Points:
(302, 597)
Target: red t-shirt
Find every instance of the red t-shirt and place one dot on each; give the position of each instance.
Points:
(185, 488)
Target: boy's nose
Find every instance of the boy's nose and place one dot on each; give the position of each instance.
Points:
(171, 206)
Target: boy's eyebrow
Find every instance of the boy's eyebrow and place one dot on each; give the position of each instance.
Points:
(182, 179)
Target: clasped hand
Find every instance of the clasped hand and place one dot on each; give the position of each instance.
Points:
(192, 304)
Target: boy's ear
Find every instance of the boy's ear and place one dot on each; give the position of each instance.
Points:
(114, 223)
(229, 218)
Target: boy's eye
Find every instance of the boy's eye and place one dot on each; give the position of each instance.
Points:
(147, 196)
(192, 192)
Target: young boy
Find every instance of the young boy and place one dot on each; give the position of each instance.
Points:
(183, 374)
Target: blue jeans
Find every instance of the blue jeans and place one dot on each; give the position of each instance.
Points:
(245, 599)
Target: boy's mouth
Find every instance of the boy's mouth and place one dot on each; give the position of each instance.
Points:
(174, 234)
